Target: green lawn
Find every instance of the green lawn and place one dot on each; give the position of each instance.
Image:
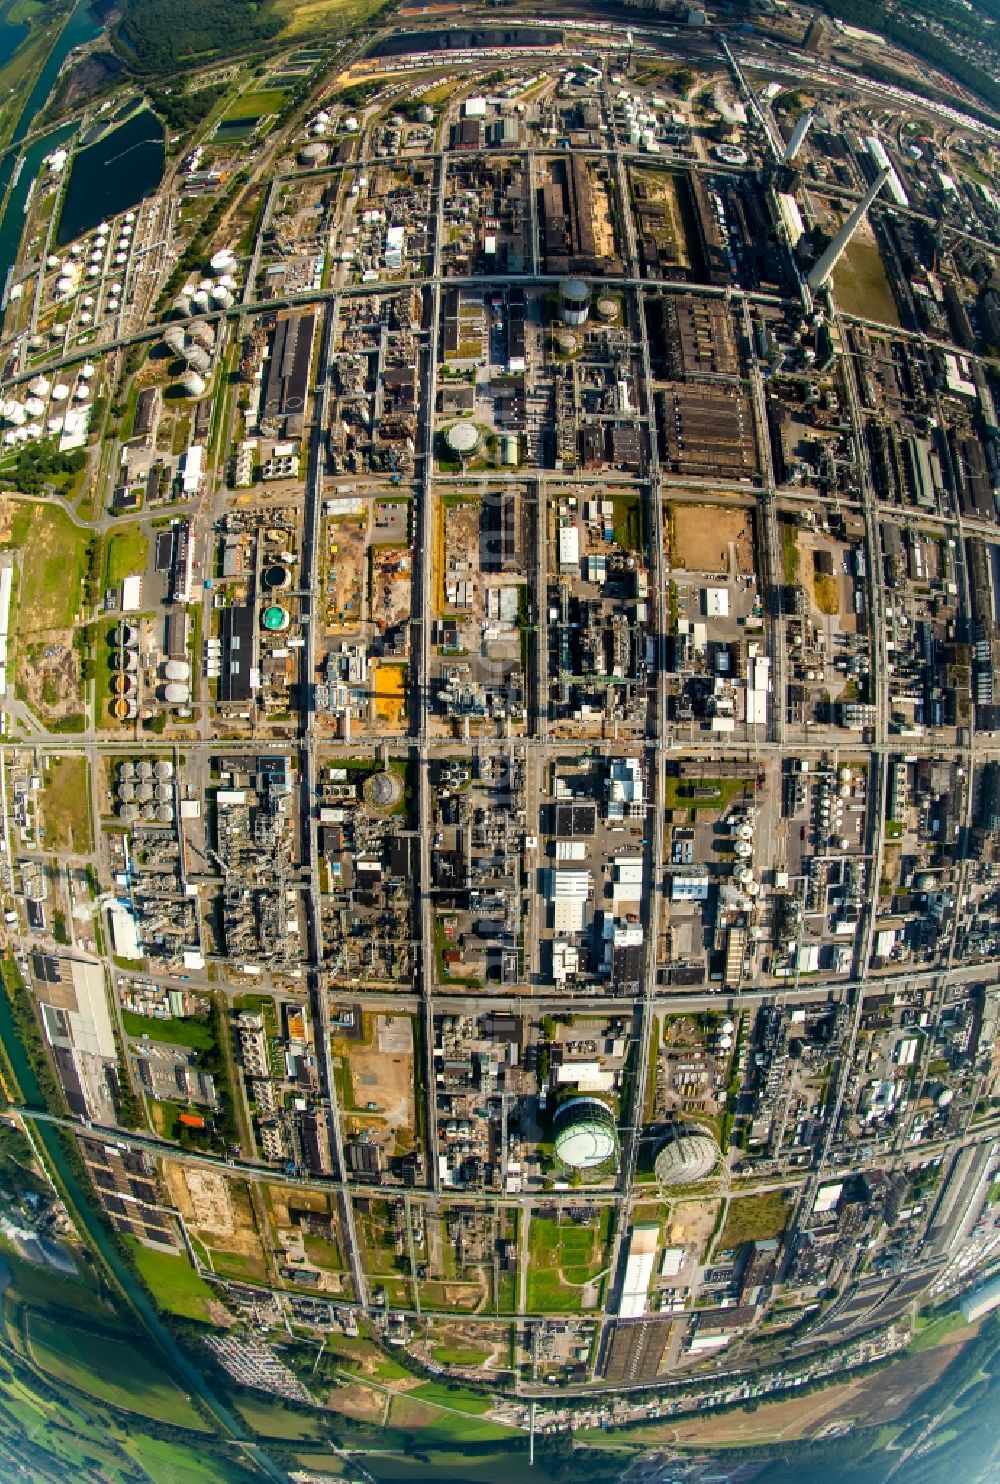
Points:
(931, 1332)
(256, 105)
(459, 1355)
(562, 1258)
(53, 554)
(179, 1465)
(459, 1401)
(679, 792)
(191, 1032)
(172, 1281)
(272, 1421)
(66, 806)
(111, 1370)
(127, 554)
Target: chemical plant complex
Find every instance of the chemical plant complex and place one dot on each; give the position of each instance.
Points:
(500, 622)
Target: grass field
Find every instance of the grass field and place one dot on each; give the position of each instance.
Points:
(433, 1423)
(933, 1332)
(111, 1370)
(127, 554)
(66, 806)
(191, 1032)
(789, 550)
(54, 562)
(753, 1218)
(679, 792)
(562, 1259)
(173, 1282)
(458, 1401)
(861, 285)
(272, 1421)
(179, 1465)
(327, 16)
(256, 105)
(459, 1355)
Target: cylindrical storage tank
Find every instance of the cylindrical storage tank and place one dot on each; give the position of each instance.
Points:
(462, 439)
(126, 634)
(144, 768)
(121, 258)
(60, 392)
(607, 309)
(202, 333)
(566, 342)
(223, 261)
(125, 660)
(199, 301)
(149, 813)
(177, 670)
(193, 384)
(174, 338)
(574, 301)
(584, 1134)
(313, 155)
(122, 683)
(182, 304)
(126, 770)
(176, 694)
(128, 812)
(38, 386)
(81, 392)
(144, 792)
(198, 359)
(164, 813)
(34, 407)
(277, 576)
(689, 1154)
(221, 297)
(64, 285)
(126, 792)
(164, 769)
(351, 124)
(164, 791)
(274, 618)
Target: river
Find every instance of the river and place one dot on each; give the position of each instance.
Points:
(85, 1217)
(81, 26)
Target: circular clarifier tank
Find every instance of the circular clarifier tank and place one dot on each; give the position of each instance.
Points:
(275, 618)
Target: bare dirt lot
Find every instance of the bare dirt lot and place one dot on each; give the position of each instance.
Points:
(710, 538)
(382, 1073)
(343, 556)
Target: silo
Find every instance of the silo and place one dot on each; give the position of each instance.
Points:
(164, 792)
(144, 768)
(193, 384)
(163, 769)
(173, 339)
(165, 813)
(574, 301)
(144, 792)
(128, 812)
(198, 359)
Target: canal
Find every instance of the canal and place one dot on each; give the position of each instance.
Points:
(85, 1217)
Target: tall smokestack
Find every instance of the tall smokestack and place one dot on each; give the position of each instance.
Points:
(820, 272)
(798, 134)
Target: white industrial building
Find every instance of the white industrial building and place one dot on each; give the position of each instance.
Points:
(625, 790)
(568, 892)
(638, 1269)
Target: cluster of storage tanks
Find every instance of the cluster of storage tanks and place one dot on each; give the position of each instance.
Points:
(177, 687)
(193, 345)
(124, 666)
(64, 401)
(145, 791)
